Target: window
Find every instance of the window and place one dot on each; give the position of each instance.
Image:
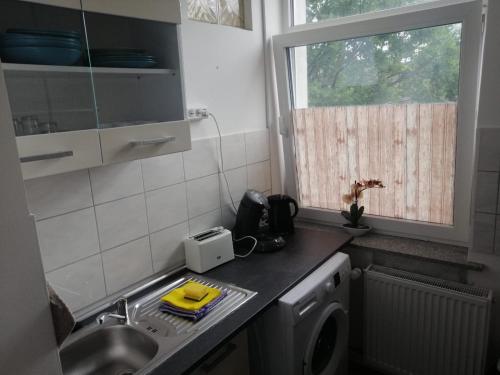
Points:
(308, 11)
(224, 12)
(391, 97)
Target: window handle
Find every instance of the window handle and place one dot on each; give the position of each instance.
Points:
(152, 141)
(48, 156)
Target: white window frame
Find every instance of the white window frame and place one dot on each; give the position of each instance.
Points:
(423, 15)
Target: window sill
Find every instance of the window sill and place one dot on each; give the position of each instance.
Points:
(412, 248)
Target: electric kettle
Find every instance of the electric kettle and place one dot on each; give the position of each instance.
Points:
(280, 214)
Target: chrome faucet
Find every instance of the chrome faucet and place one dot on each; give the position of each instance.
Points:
(121, 314)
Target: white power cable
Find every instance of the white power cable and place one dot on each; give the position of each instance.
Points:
(251, 250)
(221, 170)
(221, 167)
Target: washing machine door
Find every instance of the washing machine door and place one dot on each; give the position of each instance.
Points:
(328, 341)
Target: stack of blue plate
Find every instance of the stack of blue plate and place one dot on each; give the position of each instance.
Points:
(45, 47)
(122, 58)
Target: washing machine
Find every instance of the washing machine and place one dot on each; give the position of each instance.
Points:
(307, 331)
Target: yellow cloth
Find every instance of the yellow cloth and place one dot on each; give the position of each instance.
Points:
(177, 298)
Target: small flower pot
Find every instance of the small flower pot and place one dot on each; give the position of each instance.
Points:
(358, 231)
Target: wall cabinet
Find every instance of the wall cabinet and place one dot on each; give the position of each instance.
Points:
(92, 82)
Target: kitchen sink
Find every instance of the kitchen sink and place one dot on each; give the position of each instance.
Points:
(112, 350)
(150, 336)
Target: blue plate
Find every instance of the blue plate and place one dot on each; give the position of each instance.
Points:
(56, 33)
(22, 40)
(40, 55)
(126, 63)
(116, 52)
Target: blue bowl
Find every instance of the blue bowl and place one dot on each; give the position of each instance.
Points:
(21, 40)
(56, 33)
(40, 55)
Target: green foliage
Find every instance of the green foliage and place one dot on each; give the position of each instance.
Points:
(416, 66)
(355, 214)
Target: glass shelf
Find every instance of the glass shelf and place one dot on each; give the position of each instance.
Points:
(82, 69)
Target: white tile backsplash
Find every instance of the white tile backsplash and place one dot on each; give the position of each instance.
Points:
(166, 207)
(127, 264)
(101, 215)
(121, 221)
(79, 284)
(484, 233)
(167, 247)
(202, 159)
(56, 195)
(116, 181)
(237, 180)
(205, 221)
(162, 171)
(67, 238)
(203, 195)
(259, 176)
(489, 151)
(233, 151)
(486, 192)
(257, 146)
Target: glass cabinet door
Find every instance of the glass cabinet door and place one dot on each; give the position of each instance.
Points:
(135, 70)
(48, 81)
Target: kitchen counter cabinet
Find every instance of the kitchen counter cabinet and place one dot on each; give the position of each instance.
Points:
(271, 275)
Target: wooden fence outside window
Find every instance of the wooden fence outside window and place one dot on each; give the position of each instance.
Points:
(410, 147)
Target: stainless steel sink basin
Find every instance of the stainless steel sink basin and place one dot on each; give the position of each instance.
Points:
(112, 350)
(149, 338)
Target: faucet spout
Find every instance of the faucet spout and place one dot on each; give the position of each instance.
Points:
(121, 314)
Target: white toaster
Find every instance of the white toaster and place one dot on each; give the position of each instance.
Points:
(208, 249)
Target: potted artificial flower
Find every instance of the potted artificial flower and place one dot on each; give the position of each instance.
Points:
(355, 228)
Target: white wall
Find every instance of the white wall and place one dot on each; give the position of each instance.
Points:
(224, 70)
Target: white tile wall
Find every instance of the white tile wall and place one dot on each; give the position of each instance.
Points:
(121, 221)
(79, 284)
(116, 181)
(257, 146)
(105, 229)
(233, 151)
(259, 176)
(203, 195)
(486, 231)
(162, 171)
(127, 264)
(202, 159)
(56, 195)
(203, 222)
(237, 180)
(67, 238)
(167, 248)
(166, 206)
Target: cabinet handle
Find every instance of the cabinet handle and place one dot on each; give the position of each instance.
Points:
(152, 141)
(48, 156)
(209, 367)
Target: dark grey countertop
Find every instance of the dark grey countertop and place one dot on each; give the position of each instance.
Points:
(270, 275)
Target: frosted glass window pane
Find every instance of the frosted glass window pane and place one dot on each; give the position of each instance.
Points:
(231, 12)
(202, 10)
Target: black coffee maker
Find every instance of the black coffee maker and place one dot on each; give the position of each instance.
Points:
(263, 220)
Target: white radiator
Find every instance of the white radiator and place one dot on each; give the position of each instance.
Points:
(419, 325)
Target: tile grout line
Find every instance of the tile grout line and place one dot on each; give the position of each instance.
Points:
(98, 234)
(147, 216)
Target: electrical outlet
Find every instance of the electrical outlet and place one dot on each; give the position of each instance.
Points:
(197, 113)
